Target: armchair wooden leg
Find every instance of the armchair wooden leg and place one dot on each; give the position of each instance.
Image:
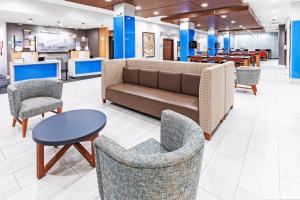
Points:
(14, 122)
(43, 114)
(24, 127)
(254, 89)
(207, 136)
(59, 110)
(103, 100)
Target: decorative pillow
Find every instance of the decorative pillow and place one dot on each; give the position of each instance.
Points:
(170, 81)
(148, 78)
(131, 75)
(190, 84)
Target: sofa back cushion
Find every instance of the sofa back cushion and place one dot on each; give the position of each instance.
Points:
(190, 84)
(148, 78)
(131, 75)
(170, 81)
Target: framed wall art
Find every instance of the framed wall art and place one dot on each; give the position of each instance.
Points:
(148, 44)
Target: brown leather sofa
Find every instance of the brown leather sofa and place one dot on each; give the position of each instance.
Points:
(201, 91)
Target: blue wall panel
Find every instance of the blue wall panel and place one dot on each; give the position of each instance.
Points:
(129, 37)
(295, 50)
(184, 45)
(35, 71)
(211, 44)
(85, 67)
(118, 37)
(226, 44)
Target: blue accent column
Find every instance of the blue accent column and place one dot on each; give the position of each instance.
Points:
(187, 34)
(211, 44)
(226, 44)
(124, 37)
(295, 49)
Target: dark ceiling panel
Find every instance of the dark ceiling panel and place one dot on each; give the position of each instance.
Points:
(172, 8)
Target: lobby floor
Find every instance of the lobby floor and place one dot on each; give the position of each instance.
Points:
(253, 155)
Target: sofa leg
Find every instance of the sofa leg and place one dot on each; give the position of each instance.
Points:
(43, 114)
(103, 100)
(24, 127)
(254, 89)
(59, 110)
(207, 136)
(14, 122)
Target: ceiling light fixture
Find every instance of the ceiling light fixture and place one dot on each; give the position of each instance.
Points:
(155, 13)
(240, 26)
(138, 7)
(204, 5)
(108, 0)
(223, 16)
(198, 25)
(233, 22)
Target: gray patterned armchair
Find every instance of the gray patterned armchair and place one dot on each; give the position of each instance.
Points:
(34, 97)
(248, 76)
(151, 170)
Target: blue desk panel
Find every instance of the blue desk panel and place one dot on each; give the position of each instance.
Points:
(35, 71)
(87, 67)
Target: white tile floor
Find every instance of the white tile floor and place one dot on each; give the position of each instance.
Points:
(253, 155)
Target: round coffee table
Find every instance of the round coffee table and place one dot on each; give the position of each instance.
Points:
(67, 129)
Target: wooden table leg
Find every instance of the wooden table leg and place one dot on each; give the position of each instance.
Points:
(42, 169)
(84, 153)
(40, 161)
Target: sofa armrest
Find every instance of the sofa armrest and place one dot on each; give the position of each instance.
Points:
(14, 99)
(211, 98)
(111, 74)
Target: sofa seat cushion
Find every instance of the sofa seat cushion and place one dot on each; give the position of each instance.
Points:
(38, 105)
(153, 101)
(148, 147)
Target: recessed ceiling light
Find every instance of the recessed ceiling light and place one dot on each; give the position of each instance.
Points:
(211, 28)
(138, 7)
(244, 28)
(233, 22)
(223, 16)
(198, 25)
(155, 13)
(204, 5)
(108, 0)
(240, 26)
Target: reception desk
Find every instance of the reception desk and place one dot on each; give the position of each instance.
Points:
(85, 67)
(35, 70)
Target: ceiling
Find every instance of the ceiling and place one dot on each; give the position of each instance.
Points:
(271, 13)
(171, 9)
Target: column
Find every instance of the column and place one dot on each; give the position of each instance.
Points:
(295, 41)
(211, 43)
(124, 31)
(103, 42)
(187, 35)
(226, 40)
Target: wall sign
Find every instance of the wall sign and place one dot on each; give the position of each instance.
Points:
(148, 44)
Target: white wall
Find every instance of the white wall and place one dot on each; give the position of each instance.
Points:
(3, 58)
(162, 31)
(258, 41)
(159, 30)
(295, 15)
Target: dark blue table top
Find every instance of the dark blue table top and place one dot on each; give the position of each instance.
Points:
(69, 127)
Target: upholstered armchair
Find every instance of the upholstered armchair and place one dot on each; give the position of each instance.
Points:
(248, 76)
(34, 97)
(152, 170)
